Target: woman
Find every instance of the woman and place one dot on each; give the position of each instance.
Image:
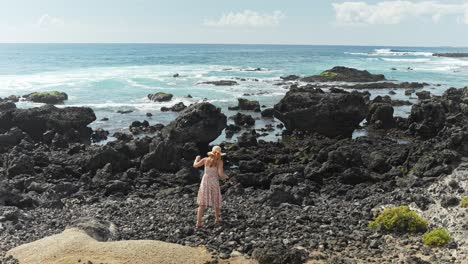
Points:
(209, 194)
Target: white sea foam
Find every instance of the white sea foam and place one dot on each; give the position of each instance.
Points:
(406, 60)
(391, 52)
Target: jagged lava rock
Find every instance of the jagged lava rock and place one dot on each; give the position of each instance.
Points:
(330, 114)
(200, 123)
(36, 121)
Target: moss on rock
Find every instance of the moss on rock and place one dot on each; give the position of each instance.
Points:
(328, 74)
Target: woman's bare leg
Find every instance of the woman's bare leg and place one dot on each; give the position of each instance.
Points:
(200, 213)
(217, 212)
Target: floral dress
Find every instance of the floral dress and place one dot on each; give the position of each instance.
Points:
(209, 194)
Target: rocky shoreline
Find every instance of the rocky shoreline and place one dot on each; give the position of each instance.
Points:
(309, 196)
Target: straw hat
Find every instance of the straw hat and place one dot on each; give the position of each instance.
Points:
(216, 149)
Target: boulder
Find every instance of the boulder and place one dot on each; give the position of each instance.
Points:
(268, 112)
(36, 121)
(175, 108)
(426, 119)
(344, 74)
(381, 115)
(243, 120)
(7, 106)
(245, 104)
(53, 97)
(200, 123)
(329, 114)
(423, 95)
(247, 139)
(160, 97)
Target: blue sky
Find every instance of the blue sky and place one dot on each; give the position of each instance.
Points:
(319, 22)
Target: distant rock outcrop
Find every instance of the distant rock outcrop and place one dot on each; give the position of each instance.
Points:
(344, 74)
(53, 97)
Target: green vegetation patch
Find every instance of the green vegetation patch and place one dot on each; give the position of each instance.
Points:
(464, 202)
(399, 219)
(437, 237)
(328, 74)
(52, 93)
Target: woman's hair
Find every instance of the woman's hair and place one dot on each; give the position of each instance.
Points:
(213, 158)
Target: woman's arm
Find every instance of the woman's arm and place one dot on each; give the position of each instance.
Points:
(198, 163)
(221, 170)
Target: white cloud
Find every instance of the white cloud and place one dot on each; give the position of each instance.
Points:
(247, 18)
(394, 12)
(49, 21)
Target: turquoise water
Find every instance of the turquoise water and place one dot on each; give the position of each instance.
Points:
(112, 77)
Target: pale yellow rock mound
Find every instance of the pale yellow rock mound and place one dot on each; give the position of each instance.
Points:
(75, 246)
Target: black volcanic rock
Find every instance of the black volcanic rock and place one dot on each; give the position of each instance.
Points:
(36, 121)
(221, 83)
(344, 74)
(200, 123)
(427, 118)
(245, 104)
(330, 114)
(175, 108)
(243, 120)
(160, 97)
(268, 112)
(451, 55)
(290, 77)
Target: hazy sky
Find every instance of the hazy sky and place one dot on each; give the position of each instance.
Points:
(371, 22)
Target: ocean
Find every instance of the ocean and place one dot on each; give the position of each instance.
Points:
(112, 77)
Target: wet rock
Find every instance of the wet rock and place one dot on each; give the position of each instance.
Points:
(231, 130)
(221, 83)
(248, 105)
(290, 77)
(268, 112)
(423, 95)
(99, 135)
(330, 114)
(243, 120)
(124, 112)
(175, 108)
(247, 139)
(160, 97)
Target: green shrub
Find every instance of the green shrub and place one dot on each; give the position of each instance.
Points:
(464, 202)
(437, 237)
(400, 219)
(328, 74)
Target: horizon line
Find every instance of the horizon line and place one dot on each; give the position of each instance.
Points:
(239, 44)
